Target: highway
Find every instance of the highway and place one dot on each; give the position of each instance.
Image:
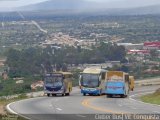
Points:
(33, 22)
(2, 24)
(38, 26)
(78, 107)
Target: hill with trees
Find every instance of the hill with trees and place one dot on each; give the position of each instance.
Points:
(34, 60)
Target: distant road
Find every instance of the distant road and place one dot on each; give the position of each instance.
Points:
(39, 27)
(77, 107)
(21, 15)
(2, 24)
(33, 22)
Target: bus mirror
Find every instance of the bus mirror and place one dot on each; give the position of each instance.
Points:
(80, 77)
(80, 80)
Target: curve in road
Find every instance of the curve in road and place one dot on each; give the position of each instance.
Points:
(78, 107)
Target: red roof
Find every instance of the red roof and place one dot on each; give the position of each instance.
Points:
(139, 51)
(152, 44)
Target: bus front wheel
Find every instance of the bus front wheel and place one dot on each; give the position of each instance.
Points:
(48, 94)
(123, 96)
(67, 94)
(100, 93)
(108, 96)
(84, 94)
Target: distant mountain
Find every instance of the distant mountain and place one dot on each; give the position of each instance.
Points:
(58, 5)
(83, 6)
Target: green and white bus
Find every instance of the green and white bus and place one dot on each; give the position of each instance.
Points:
(92, 81)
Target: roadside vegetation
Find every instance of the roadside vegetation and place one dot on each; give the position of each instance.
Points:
(10, 87)
(5, 101)
(152, 98)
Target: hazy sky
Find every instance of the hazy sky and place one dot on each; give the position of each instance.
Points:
(9, 4)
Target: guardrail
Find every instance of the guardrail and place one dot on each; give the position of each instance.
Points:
(153, 81)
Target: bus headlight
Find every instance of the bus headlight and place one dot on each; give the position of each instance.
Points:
(96, 89)
(62, 88)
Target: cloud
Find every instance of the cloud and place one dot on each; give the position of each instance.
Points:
(8, 0)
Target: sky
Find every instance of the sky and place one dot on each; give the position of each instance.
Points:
(10, 4)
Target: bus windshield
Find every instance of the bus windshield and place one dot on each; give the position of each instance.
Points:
(54, 81)
(90, 80)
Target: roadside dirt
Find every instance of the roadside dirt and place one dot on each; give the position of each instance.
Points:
(2, 110)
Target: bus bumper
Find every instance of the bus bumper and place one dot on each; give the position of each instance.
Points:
(53, 92)
(90, 91)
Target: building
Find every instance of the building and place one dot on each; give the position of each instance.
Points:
(139, 52)
(129, 46)
(2, 61)
(5, 75)
(152, 45)
(37, 84)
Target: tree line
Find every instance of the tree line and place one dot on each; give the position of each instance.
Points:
(34, 60)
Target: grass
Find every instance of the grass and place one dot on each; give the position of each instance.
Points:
(153, 98)
(3, 102)
(9, 86)
(11, 117)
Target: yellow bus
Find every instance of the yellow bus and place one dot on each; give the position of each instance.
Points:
(58, 83)
(131, 83)
(92, 81)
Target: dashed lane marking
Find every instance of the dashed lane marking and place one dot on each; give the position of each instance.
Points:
(59, 109)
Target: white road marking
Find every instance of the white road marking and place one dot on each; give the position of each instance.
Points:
(81, 116)
(13, 112)
(120, 105)
(9, 109)
(59, 109)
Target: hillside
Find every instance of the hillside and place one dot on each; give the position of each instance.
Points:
(83, 6)
(57, 5)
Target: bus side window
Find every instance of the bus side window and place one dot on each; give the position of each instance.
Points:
(126, 78)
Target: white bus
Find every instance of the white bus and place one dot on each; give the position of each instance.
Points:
(92, 81)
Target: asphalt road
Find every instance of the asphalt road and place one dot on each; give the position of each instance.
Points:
(78, 107)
